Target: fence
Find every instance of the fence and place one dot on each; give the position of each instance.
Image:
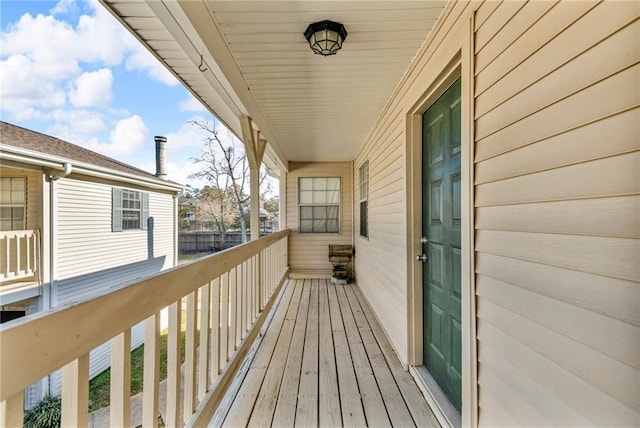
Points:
(198, 242)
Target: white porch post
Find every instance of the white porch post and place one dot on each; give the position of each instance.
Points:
(254, 146)
(282, 220)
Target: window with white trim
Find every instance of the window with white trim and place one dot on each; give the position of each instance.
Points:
(363, 175)
(130, 210)
(13, 203)
(319, 204)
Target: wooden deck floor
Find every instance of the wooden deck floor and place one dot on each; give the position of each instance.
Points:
(323, 362)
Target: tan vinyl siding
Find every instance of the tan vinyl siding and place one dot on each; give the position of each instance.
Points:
(92, 259)
(557, 197)
(557, 218)
(381, 266)
(308, 252)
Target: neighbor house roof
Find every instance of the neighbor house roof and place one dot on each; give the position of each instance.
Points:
(17, 136)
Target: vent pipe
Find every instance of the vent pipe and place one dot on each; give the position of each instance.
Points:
(161, 157)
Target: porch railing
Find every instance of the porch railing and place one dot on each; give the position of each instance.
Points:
(20, 256)
(225, 296)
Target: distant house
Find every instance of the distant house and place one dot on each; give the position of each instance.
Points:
(74, 224)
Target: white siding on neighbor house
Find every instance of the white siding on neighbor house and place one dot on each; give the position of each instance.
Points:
(309, 252)
(92, 259)
(557, 197)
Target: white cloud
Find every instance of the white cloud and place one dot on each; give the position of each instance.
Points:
(192, 104)
(92, 89)
(49, 44)
(178, 172)
(188, 136)
(22, 89)
(64, 6)
(41, 56)
(78, 126)
(84, 121)
(128, 137)
(142, 59)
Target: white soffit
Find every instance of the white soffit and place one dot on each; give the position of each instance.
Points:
(309, 107)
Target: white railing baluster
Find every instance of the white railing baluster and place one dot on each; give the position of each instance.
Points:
(238, 306)
(174, 343)
(11, 411)
(20, 254)
(151, 376)
(252, 291)
(28, 240)
(120, 412)
(203, 358)
(233, 309)
(246, 321)
(215, 329)
(7, 245)
(260, 281)
(190, 356)
(75, 392)
(224, 319)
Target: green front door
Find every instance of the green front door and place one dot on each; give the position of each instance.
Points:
(441, 215)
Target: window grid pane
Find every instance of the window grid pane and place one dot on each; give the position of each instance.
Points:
(363, 174)
(319, 201)
(131, 212)
(13, 203)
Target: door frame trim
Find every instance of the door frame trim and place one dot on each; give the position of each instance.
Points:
(460, 64)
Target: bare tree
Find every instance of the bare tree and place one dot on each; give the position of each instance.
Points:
(226, 168)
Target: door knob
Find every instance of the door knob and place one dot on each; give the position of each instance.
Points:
(421, 258)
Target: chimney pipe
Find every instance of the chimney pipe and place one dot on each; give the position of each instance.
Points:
(161, 157)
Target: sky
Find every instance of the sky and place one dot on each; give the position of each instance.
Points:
(70, 70)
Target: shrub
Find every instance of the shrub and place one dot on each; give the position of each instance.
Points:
(46, 414)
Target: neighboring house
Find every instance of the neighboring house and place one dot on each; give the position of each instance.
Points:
(74, 224)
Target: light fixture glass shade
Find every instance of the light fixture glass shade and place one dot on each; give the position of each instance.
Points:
(325, 37)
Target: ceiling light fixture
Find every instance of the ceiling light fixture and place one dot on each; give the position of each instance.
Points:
(325, 37)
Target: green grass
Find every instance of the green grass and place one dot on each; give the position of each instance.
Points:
(99, 386)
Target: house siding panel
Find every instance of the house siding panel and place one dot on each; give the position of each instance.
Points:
(556, 198)
(557, 203)
(380, 270)
(309, 252)
(91, 259)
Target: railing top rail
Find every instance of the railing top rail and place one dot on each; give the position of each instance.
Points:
(13, 233)
(39, 344)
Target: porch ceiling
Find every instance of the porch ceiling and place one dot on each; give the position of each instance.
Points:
(308, 107)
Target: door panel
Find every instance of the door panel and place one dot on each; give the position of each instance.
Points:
(441, 219)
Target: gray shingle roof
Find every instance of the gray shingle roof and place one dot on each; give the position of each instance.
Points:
(17, 136)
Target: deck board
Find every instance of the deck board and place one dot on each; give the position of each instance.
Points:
(350, 400)
(374, 407)
(328, 393)
(307, 406)
(324, 361)
(285, 414)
